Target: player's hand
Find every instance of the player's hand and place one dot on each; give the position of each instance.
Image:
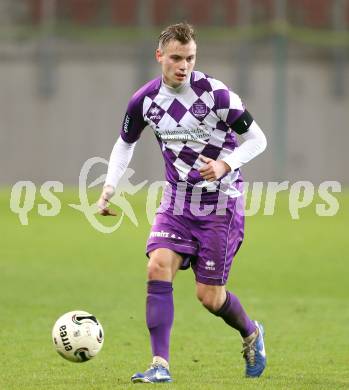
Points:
(103, 201)
(213, 169)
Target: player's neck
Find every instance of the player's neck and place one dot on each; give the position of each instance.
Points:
(176, 88)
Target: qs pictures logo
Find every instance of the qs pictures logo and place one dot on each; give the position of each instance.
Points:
(23, 197)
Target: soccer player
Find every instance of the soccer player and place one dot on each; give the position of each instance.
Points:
(200, 222)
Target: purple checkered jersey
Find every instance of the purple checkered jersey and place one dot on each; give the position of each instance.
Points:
(199, 117)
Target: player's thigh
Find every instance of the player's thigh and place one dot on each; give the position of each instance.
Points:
(219, 239)
(169, 242)
(164, 260)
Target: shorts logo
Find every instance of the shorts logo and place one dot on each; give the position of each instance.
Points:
(127, 123)
(199, 109)
(210, 265)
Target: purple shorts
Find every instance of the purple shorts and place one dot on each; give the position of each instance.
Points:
(206, 243)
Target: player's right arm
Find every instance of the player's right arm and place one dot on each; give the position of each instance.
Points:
(120, 157)
(122, 152)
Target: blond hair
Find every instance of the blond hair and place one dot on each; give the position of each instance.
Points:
(182, 32)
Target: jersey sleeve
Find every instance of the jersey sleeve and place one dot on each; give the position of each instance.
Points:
(230, 109)
(133, 123)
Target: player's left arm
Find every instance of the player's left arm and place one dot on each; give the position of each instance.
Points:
(254, 144)
(230, 109)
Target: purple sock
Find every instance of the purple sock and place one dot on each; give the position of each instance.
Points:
(235, 316)
(159, 316)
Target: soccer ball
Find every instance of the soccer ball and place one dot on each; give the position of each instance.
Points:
(78, 336)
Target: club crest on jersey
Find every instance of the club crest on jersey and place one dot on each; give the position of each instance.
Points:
(199, 109)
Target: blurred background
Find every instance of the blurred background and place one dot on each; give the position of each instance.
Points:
(69, 67)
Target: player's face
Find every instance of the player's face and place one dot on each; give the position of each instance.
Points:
(177, 61)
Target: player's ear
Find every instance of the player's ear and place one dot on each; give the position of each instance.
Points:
(158, 55)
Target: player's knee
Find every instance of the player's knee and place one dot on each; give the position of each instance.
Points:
(211, 299)
(158, 268)
(155, 269)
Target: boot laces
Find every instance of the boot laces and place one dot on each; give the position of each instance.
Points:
(249, 352)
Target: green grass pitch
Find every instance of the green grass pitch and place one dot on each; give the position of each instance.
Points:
(292, 275)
